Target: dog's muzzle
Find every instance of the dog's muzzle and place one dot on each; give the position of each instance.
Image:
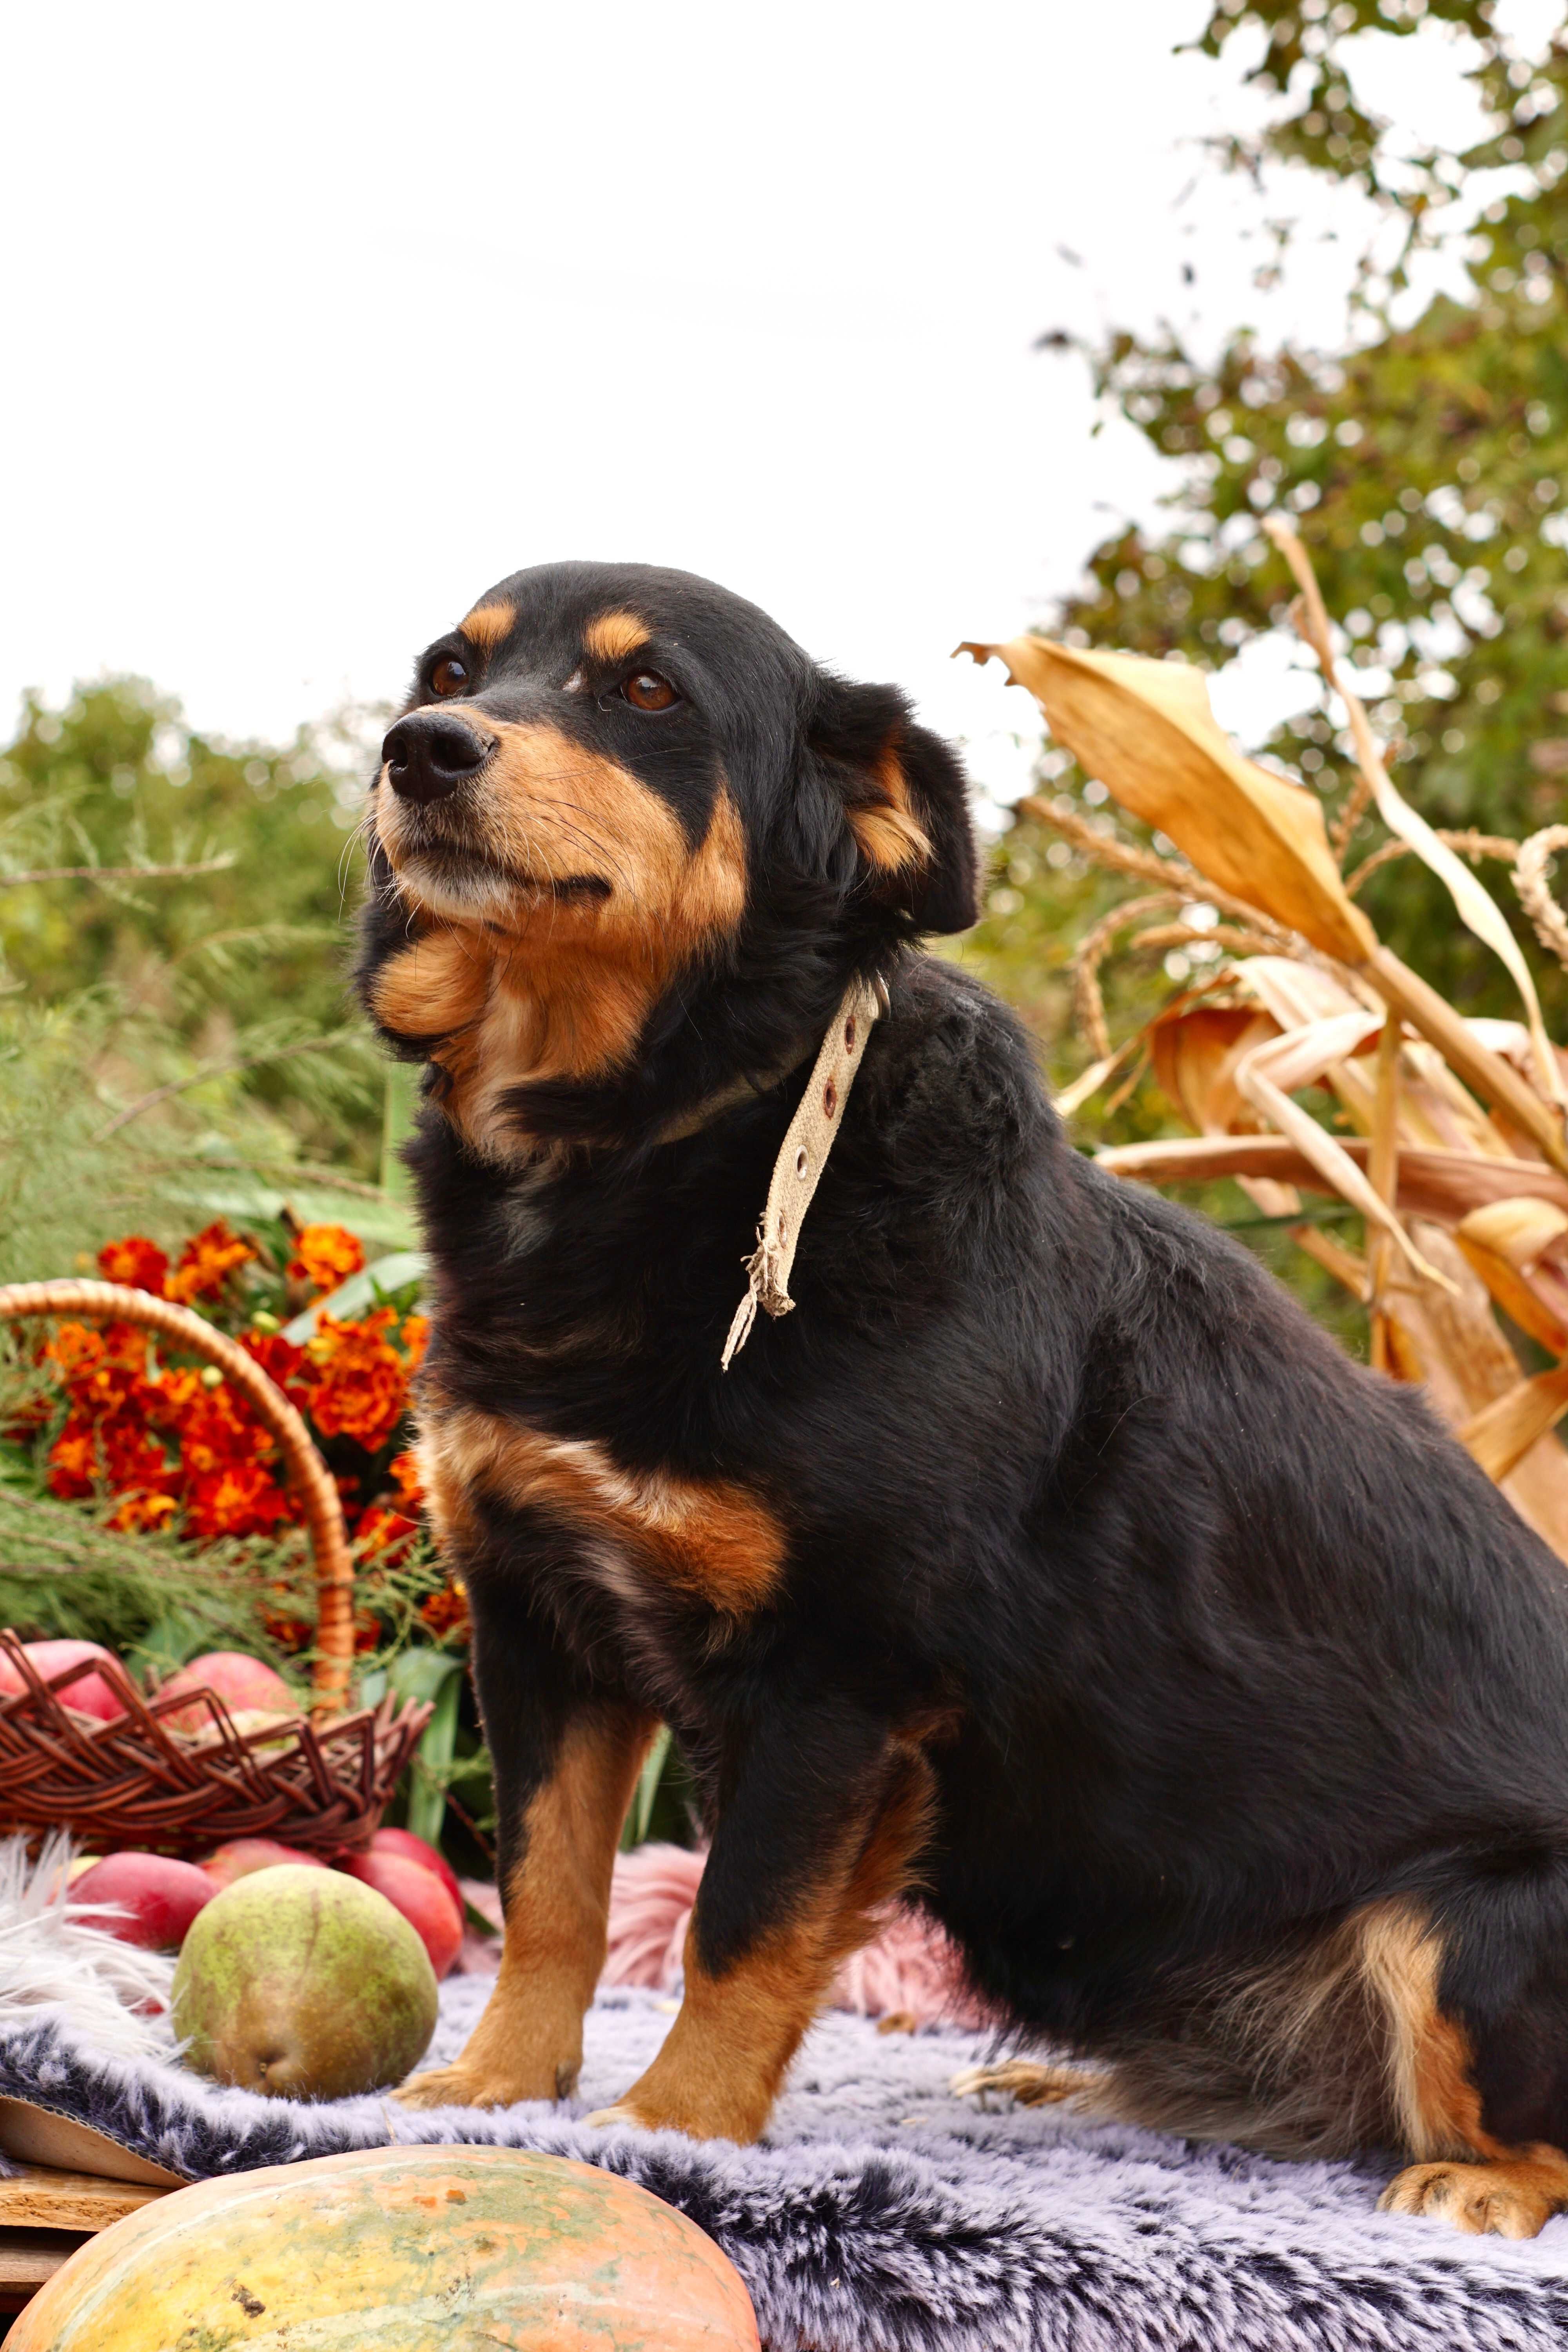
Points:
(428, 754)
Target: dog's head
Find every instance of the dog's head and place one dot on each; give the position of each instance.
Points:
(614, 787)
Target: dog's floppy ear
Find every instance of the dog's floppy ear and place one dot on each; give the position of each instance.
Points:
(906, 803)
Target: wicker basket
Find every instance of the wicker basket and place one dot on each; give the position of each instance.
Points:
(321, 1784)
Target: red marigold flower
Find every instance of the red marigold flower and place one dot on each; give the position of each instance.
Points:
(136, 1260)
(361, 1388)
(283, 1362)
(131, 1459)
(240, 1498)
(207, 1261)
(447, 1612)
(325, 1255)
(416, 1339)
(289, 1630)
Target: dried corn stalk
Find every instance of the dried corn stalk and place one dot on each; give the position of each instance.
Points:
(1457, 1156)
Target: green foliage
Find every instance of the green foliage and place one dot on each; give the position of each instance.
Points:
(233, 977)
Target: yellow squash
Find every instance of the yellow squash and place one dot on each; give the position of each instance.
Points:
(398, 2250)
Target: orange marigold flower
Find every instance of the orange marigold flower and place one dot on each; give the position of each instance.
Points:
(143, 1513)
(241, 1498)
(361, 1388)
(404, 1472)
(447, 1612)
(325, 1255)
(136, 1260)
(383, 1534)
(73, 1461)
(207, 1263)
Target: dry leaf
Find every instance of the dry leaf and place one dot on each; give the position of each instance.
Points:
(1442, 1185)
(1196, 1054)
(1145, 728)
(1478, 910)
(1266, 1075)
(1512, 1244)
(1501, 1434)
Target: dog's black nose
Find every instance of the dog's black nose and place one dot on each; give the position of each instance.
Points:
(429, 753)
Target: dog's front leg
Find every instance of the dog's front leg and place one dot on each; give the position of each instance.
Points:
(821, 1821)
(565, 1757)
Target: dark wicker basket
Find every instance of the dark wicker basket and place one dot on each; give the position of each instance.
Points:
(321, 1784)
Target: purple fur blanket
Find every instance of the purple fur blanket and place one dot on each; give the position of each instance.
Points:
(883, 2216)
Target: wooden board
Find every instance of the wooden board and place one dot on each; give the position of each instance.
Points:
(40, 2198)
(29, 2259)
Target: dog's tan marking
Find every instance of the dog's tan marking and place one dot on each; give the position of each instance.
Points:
(719, 2069)
(887, 830)
(614, 637)
(486, 625)
(1436, 2106)
(1513, 2192)
(435, 986)
(529, 2042)
(1341, 2048)
(569, 980)
(707, 1538)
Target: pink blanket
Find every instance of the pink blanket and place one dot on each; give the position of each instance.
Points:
(910, 1971)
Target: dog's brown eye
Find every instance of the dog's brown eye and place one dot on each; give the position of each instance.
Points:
(449, 676)
(648, 691)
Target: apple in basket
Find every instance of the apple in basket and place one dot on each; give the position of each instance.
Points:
(241, 1856)
(419, 1850)
(154, 1897)
(89, 1694)
(247, 1686)
(435, 1916)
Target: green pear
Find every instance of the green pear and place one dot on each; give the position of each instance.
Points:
(305, 1984)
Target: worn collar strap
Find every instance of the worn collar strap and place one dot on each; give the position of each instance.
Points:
(802, 1159)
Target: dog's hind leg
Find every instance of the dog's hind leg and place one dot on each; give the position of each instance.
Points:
(1470, 2177)
(1030, 2083)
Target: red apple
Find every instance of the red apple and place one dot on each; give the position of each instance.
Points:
(421, 1897)
(419, 1850)
(246, 1685)
(159, 1897)
(89, 1695)
(242, 1856)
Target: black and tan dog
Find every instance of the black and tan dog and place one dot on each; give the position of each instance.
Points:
(1046, 1563)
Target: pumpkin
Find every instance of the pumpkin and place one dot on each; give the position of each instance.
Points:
(404, 2249)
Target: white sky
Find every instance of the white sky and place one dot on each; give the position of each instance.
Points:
(324, 317)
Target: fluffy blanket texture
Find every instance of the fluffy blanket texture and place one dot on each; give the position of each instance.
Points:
(882, 2215)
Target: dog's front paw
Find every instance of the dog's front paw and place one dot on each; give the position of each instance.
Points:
(472, 2086)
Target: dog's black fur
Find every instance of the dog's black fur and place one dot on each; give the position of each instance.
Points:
(1207, 1640)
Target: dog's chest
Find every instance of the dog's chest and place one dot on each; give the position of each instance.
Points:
(637, 1534)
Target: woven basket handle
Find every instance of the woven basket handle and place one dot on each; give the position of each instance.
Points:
(308, 1473)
